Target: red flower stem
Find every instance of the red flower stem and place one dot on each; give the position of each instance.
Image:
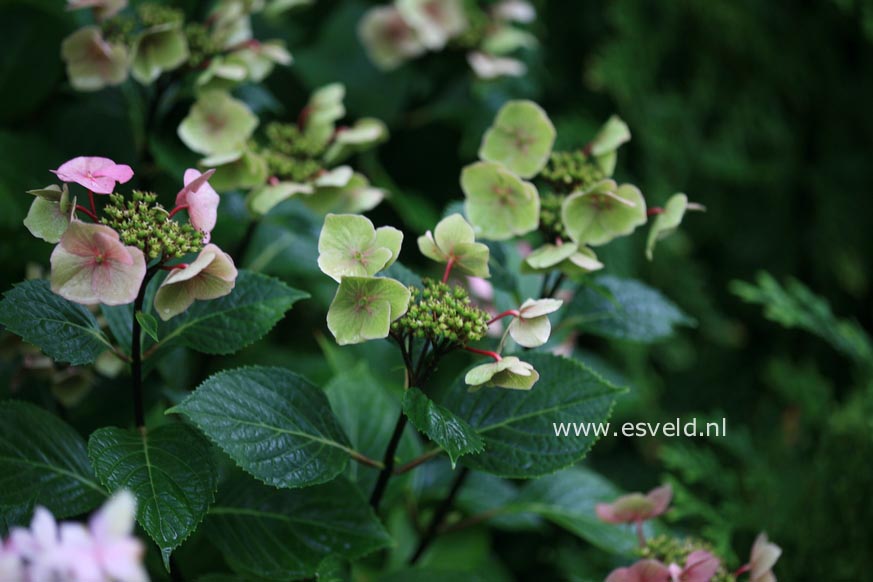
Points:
(507, 313)
(177, 209)
(448, 270)
(654, 211)
(93, 206)
(742, 570)
(91, 215)
(174, 267)
(494, 355)
(640, 535)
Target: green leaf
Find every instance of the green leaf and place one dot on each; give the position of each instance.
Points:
(65, 331)
(441, 425)
(168, 469)
(230, 323)
(43, 462)
(568, 498)
(517, 426)
(367, 409)
(149, 324)
(273, 423)
(521, 138)
(630, 310)
(284, 535)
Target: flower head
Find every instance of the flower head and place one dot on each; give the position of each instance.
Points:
(636, 507)
(642, 571)
(488, 66)
(70, 551)
(217, 124)
(508, 372)
(764, 556)
(435, 21)
(103, 9)
(91, 265)
(531, 328)
(349, 245)
(700, 566)
(92, 62)
(97, 174)
(603, 212)
(210, 276)
(201, 201)
(453, 241)
(388, 38)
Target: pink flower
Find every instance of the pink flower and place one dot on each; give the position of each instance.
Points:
(105, 551)
(103, 9)
(91, 265)
(700, 566)
(642, 571)
(636, 507)
(200, 200)
(210, 276)
(98, 175)
(764, 556)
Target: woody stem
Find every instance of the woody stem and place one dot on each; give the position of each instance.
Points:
(136, 354)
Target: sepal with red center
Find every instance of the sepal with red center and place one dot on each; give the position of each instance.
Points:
(210, 276)
(91, 265)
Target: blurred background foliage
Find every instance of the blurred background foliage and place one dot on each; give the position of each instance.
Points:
(755, 109)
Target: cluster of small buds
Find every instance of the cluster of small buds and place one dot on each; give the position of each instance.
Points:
(290, 154)
(670, 550)
(118, 30)
(550, 216)
(571, 171)
(202, 45)
(145, 224)
(154, 14)
(442, 314)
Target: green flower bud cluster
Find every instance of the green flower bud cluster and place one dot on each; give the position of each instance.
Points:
(154, 14)
(145, 224)
(550, 215)
(118, 30)
(668, 550)
(290, 153)
(202, 45)
(571, 171)
(442, 314)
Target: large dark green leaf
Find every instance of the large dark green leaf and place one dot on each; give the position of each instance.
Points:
(283, 534)
(517, 426)
(625, 309)
(441, 425)
(65, 331)
(169, 470)
(273, 423)
(568, 498)
(43, 461)
(230, 323)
